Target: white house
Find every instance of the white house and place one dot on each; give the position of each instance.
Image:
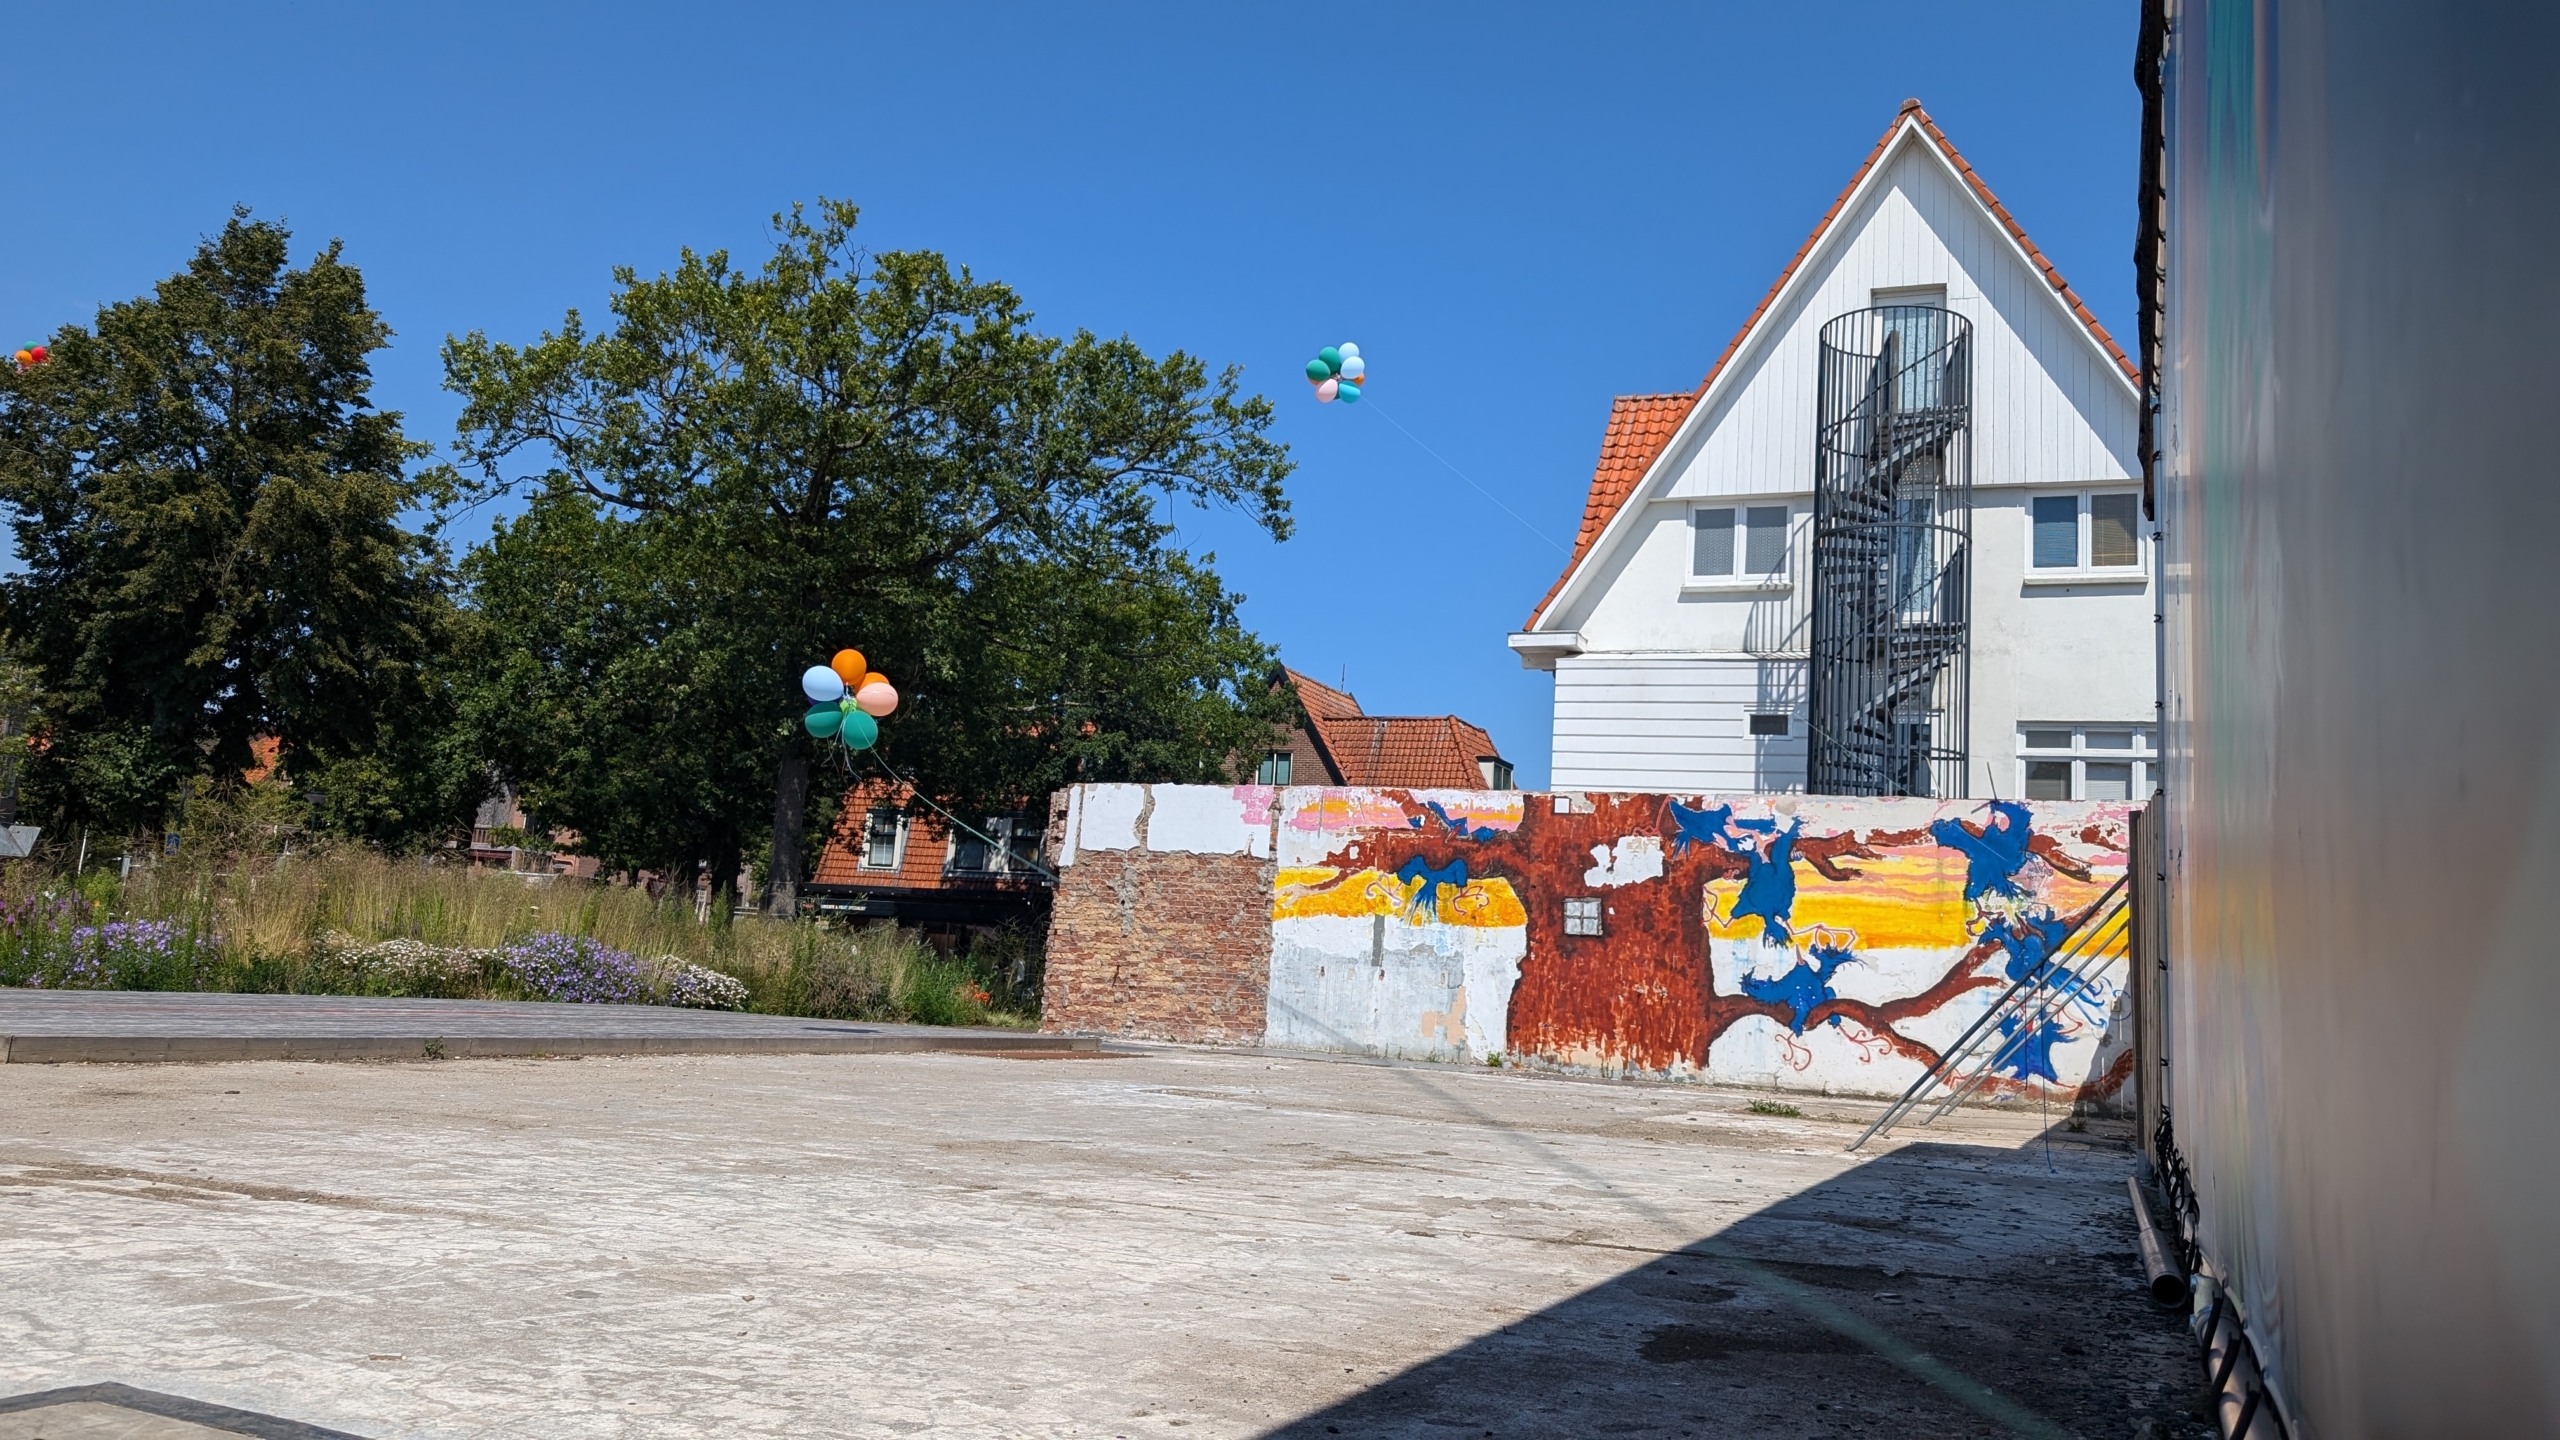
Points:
(1684, 633)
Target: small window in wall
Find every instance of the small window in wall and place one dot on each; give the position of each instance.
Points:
(1769, 724)
(1274, 769)
(2086, 762)
(1582, 915)
(2090, 530)
(880, 835)
(1746, 542)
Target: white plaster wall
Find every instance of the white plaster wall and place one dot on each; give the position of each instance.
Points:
(2049, 652)
(1167, 819)
(1383, 985)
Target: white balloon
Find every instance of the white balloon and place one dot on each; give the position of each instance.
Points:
(821, 684)
(1353, 367)
(1349, 350)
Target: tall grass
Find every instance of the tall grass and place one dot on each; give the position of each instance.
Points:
(285, 925)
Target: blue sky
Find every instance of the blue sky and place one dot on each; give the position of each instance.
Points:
(1517, 211)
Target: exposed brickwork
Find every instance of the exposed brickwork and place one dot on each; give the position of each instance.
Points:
(1160, 947)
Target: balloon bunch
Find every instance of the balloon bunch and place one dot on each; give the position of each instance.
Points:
(1336, 372)
(30, 356)
(847, 699)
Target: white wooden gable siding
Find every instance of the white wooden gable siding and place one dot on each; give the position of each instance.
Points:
(1659, 695)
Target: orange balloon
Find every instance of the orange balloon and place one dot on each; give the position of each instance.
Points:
(848, 666)
(874, 678)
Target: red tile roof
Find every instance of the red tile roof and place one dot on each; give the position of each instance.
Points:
(1617, 475)
(1639, 426)
(922, 860)
(1405, 751)
(1320, 700)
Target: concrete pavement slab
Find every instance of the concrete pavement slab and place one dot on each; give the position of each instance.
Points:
(1178, 1243)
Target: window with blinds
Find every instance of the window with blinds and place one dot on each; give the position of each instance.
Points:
(1745, 542)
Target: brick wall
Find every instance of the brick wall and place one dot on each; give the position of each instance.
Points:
(1160, 947)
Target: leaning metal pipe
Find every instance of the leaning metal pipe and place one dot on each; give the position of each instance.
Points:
(1956, 1053)
(2087, 968)
(2168, 1286)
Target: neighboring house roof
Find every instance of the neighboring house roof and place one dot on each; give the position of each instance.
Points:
(1410, 751)
(1406, 751)
(1636, 425)
(1320, 700)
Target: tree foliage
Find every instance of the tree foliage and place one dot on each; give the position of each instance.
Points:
(752, 469)
(207, 509)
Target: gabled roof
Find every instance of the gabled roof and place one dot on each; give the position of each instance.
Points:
(1432, 752)
(1435, 752)
(1639, 426)
(1321, 701)
(1637, 436)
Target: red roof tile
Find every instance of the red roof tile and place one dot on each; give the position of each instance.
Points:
(1639, 426)
(1406, 751)
(1612, 483)
(1321, 701)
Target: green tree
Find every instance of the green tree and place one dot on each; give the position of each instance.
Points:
(207, 509)
(836, 449)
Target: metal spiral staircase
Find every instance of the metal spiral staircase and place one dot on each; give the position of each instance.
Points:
(1892, 537)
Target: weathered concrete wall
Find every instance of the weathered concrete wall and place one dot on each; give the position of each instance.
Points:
(1161, 925)
(1819, 944)
(1808, 943)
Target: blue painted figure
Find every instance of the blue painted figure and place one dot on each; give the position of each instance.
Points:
(1697, 827)
(1802, 988)
(1769, 891)
(2029, 1057)
(1454, 827)
(2029, 939)
(1994, 857)
(1426, 901)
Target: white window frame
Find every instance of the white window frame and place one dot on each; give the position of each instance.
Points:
(1582, 916)
(1781, 579)
(2144, 755)
(2081, 572)
(898, 847)
(1004, 834)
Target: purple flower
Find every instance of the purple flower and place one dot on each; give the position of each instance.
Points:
(574, 968)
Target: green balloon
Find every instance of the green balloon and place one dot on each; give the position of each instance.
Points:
(1332, 360)
(860, 730)
(1319, 371)
(822, 722)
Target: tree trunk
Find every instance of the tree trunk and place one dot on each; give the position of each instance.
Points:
(790, 804)
(723, 866)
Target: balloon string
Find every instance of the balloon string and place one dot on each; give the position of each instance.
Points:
(954, 819)
(1470, 479)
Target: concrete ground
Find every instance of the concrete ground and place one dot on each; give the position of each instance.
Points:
(1178, 1243)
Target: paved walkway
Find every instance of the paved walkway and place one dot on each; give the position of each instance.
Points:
(55, 1026)
(1169, 1245)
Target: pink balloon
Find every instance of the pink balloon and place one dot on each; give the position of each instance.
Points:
(876, 699)
(1328, 390)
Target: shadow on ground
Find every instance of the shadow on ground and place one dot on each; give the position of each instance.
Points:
(1941, 1290)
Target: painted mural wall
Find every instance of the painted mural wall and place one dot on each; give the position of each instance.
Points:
(1835, 945)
